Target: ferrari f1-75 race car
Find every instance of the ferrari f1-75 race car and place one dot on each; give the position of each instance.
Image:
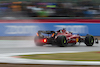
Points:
(62, 38)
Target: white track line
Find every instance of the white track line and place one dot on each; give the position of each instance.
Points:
(6, 58)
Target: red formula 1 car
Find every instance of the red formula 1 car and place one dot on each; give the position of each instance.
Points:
(62, 38)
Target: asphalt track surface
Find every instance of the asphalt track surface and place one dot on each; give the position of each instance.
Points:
(47, 48)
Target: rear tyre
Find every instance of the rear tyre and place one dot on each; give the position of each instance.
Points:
(61, 41)
(36, 40)
(89, 40)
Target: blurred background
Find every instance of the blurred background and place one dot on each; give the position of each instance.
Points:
(49, 8)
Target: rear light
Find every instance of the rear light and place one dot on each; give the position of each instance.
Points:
(44, 40)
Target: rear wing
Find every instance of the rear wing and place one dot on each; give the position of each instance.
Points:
(46, 32)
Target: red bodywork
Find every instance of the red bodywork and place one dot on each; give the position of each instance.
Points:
(69, 36)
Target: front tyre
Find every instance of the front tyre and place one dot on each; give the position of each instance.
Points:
(89, 40)
(61, 41)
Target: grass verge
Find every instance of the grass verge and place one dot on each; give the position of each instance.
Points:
(82, 56)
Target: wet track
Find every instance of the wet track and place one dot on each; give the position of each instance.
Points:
(48, 48)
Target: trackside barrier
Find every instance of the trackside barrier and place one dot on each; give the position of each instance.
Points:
(30, 27)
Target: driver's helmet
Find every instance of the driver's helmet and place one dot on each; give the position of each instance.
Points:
(63, 30)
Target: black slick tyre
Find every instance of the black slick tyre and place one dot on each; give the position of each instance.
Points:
(61, 41)
(89, 40)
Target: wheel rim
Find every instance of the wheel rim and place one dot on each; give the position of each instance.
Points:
(64, 41)
(91, 40)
